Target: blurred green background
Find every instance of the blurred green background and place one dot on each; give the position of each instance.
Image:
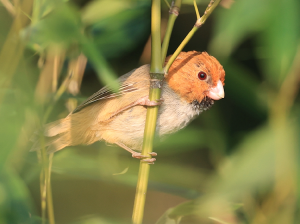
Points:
(236, 163)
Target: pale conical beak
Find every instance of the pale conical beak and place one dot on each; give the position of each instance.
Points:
(217, 92)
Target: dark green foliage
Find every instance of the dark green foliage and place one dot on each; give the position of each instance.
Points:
(236, 163)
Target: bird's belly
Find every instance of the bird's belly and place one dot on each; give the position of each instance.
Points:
(128, 127)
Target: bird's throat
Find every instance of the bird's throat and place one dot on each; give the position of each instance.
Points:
(205, 104)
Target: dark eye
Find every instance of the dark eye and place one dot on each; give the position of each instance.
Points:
(202, 75)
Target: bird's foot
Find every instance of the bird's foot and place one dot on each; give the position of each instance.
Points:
(145, 101)
(149, 161)
(139, 155)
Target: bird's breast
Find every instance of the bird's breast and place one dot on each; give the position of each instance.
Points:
(175, 112)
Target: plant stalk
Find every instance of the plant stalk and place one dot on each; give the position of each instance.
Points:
(174, 12)
(45, 176)
(157, 75)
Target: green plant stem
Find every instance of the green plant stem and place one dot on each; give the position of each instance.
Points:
(167, 3)
(209, 9)
(49, 191)
(36, 11)
(12, 48)
(211, 6)
(104, 71)
(9, 7)
(143, 176)
(179, 49)
(157, 75)
(196, 10)
(45, 176)
(156, 66)
(174, 12)
(45, 184)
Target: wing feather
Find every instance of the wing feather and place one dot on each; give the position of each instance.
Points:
(127, 85)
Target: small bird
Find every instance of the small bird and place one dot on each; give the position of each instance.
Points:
(194, 81)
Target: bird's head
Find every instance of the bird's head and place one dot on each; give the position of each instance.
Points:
(196, 75)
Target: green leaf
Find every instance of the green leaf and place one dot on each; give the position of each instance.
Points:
(278, 42)
(15, 201)
(174, 215)
(104, 71)
(93, 219)
(61, 26)
(98, 10)
(256, 161)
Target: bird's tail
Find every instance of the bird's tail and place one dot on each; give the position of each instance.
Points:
(56, 136)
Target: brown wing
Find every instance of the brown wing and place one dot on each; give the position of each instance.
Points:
(135, 80)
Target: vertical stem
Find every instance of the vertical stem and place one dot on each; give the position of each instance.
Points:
(157, 75)
(196, 10)
(174, 12)
(36, 11)
(155, 37)
(45, 184)
(49, 191)
(45, 176)
(42, 179)
(12, 48)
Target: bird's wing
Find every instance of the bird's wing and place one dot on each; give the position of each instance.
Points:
(135, 80)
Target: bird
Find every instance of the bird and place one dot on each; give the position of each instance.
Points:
(194, 81)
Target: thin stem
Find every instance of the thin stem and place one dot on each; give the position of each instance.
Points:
(12, 47)
(179, 49)
(46, 192)
(104, 71)
(211, 6)
(45, 176)
(49, 191)
(156, 65)
(167, 3)
(9, 7)
(55, 73)
(157, 75)
(43, 179)
(196, 10)
(174, 12)
(36, 11)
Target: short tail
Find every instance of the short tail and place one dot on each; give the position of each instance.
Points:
(56, 136)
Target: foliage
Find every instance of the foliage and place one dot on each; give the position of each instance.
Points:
(236, 163)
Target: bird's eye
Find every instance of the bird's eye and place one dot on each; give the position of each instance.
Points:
(202, 75)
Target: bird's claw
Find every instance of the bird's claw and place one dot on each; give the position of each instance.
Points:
(144, 158)
(145, 101)
(139, 155)
(149, 161)
(160, 101)
(152, 153)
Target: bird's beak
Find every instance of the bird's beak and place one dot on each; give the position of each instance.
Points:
(217, 92)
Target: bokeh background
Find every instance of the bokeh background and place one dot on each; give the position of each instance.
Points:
(236, 163)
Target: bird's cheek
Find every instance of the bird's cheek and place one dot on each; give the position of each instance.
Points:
(217, 92)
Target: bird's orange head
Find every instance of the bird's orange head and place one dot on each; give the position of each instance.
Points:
(196, 75)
